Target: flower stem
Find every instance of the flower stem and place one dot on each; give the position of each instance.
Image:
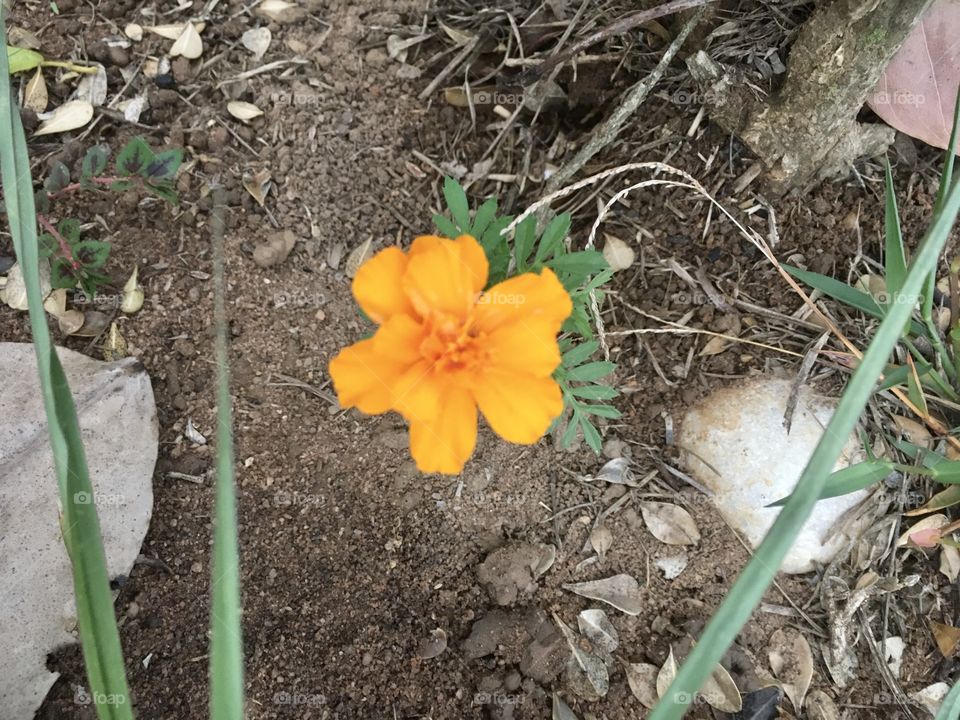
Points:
(73, 187)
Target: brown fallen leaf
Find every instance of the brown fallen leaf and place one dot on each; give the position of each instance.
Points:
(358, 256)
(35, 94)
(257, 185)
(946, 636)
(715, 346)
(670, 523)
(792, 663)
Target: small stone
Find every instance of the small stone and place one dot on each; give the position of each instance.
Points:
(367, 659)
(184, 347)
(217, 138)
(118, 56)
(133, 609)
(377, 58)
(197, 567)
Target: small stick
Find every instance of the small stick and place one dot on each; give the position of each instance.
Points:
(628, 22)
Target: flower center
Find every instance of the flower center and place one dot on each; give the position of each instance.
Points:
(452, 343)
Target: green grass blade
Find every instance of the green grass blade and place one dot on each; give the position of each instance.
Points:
(950, 709)
(226, 642)
(949, 157)
(756, 577)
(895, 259)
(850, 479)
(80, 526)
(847, 295)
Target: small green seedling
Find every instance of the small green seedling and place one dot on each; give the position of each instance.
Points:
(75, 261)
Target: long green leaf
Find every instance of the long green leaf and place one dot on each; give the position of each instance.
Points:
(226, 642)
(850, 479)
(756, 577)
(950, 707)
(895, 259)
(79, 524)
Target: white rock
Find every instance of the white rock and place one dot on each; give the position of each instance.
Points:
(738, 431)
(118, 421)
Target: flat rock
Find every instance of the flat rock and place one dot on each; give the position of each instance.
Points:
(734, 443)
(118, 421)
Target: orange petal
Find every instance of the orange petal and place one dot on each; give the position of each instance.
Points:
(527, 296)
(419, 393)
(377, 286)
(400, 337)
(445, 276)
(425, 242)
(445, 444)
(519, 407)
(364, 378)
(525, 345)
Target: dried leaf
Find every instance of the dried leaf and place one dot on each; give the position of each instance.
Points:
(188, 44)
(69, 116)
(762, 704)
(642, 679)
(95, 323)
(601, 539)
(918, 88)
(672, 565)
(460, 37)
(115, 348)
(243, 111)
(598, 629)
(915, 432)
(950, 562)
(434, 645)
(93, 87)
(257, 185)
(666, 675)
(170, 31)
(14, 292)
(946, 636)
(194, 435)
(715, 346)
(257, 41)
(931, 697)
(617, 471)
(359, 255)
(70, 321)
(620, 591)
(22, 38)
(720, 691)
(132, 295)
(280, 11)
(618, 254)
(594, 669)
(562, 711)
(670, 523)
(35, 94)
(820, 706)
(792, 663)
(924, 533)
(133, 108)
(893, 648)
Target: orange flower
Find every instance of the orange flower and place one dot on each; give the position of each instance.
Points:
(445, 348)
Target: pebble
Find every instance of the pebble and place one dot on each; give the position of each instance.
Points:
(133, 609)
(197, 567)
(184, 347)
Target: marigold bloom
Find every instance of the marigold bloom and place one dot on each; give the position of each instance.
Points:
(444, 348)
